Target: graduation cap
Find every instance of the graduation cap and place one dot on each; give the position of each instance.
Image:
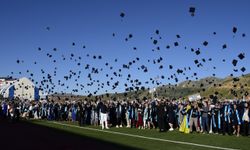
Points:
(130, 36)
(243, 69)
(205, 43)
(155, 42)
(122, 14)
(196, 61)
(234, 62)
(235, 70)
(241, 56)
(157, 31)
(179, 71)
(234, 30)
(192, 10)
(224, 46)
(197, 52)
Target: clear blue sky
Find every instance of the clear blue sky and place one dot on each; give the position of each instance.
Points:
(92, 23)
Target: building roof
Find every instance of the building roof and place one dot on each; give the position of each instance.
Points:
(8, 78)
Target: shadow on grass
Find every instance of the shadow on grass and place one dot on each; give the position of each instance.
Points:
(25, 135)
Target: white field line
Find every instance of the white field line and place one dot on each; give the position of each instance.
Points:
(144, 137)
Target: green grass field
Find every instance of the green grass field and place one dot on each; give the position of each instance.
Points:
(232, 142)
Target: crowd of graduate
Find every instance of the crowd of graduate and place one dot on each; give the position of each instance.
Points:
(205, 116)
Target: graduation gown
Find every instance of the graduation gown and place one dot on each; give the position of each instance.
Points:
(185, 123)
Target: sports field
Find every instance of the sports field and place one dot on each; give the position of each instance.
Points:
(151, 139)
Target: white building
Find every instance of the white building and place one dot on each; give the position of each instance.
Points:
(21, 88)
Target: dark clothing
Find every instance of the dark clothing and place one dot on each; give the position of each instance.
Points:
(217, 119)
(194, 112)
(245, 128)
(235, 118)
(205, 111)
(80, 116)
(104, 109)
(171, 114)
(161, 118)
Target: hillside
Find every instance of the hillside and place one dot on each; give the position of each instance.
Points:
(229, 87)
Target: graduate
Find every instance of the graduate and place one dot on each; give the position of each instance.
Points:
(128, 110)
(94, 115)
(123, 114)
(133, 115)
(118, 115)
(179, 114)
(150, 117)
(200, 117)
(112, 114)
(236, 121)
(104, 115)
(210, 117)
(161, 116)
(80, 114)
(185, 122)
(246, 119)
(153, 114)
(11, 111)
(56, 112)
(146, 114)
(74, 112)
(216, 118)
(205, 120)
(227, 118)
(70, 110)
(5, 110)
(139, 123)
(88, 110)
(44, 111)
(171, 116)
(31, 111)
(193, 117)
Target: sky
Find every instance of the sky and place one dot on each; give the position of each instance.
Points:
(91, 23)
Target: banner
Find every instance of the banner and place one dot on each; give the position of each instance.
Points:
(194, 97)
